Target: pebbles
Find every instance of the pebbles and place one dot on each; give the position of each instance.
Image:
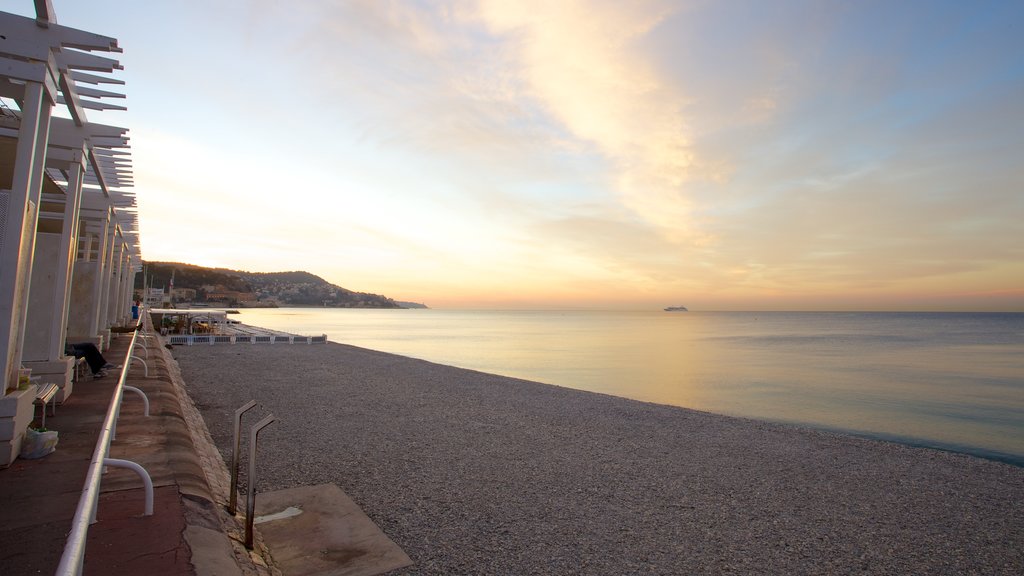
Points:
(472, 473)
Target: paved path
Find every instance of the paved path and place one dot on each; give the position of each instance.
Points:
(38, 498)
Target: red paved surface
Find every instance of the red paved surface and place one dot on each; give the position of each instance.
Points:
(125, 542)
(38, 498)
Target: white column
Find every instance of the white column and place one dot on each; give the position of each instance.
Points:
(96, 308)
(68, 250)
(48, 301)
(18, 209)
(18, 222)
(106, 266)
(114, 290)
(115, 315)
(127, 284)
(130, 283)
(35, 193)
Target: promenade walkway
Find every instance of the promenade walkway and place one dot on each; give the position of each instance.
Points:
(189, 532)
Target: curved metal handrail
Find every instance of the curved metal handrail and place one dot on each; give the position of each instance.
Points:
(74, 549)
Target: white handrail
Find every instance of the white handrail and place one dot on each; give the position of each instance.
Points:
(147, 482)
(74, 549)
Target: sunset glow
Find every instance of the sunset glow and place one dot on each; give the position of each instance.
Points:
(721, 155)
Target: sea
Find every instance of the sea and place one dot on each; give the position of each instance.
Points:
(953, 381)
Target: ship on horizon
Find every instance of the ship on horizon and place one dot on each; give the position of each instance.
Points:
(676, 309)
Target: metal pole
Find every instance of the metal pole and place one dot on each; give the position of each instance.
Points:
(147, 482)
(233, 498)
(250, 503)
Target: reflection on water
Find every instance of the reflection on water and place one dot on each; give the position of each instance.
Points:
(952, 380)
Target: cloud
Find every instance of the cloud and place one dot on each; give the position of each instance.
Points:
(710, 148)
(520, 90)
(581, 62)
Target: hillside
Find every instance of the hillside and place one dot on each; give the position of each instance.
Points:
(240, 288)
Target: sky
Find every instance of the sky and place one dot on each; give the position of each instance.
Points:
(785, 155)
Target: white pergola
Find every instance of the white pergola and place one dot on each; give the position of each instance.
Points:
(69, 237)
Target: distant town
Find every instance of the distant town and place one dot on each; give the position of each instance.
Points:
(170, 284)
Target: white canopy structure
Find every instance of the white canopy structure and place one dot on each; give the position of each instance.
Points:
(69, 237)
(185, 318)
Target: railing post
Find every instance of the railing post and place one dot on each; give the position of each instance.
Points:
(145, 367)
(147, 482)
(233, 498)
(250, 504)
(145, 399)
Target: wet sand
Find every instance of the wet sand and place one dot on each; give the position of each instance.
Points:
(472, 473)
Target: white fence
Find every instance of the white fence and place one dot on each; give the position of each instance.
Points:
(210, 339)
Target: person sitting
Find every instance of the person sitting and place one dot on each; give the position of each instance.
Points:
(93, 357)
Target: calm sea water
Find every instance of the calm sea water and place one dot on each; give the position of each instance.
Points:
(948, 380)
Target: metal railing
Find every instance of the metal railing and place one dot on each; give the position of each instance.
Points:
(74, 550)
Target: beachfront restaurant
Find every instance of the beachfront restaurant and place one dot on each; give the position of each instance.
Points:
(188, 320)
(69, 239)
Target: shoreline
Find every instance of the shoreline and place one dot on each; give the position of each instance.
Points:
(473, 472)
(909, 441)
(945, 382)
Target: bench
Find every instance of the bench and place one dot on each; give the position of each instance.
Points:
(44, 396)
(80, 365)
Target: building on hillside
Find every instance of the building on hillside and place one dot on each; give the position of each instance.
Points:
(183, 294)
(230, 296)
(157, 298)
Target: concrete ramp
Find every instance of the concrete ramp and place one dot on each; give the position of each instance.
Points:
(319, 531)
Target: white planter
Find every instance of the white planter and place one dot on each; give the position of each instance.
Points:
(16, 413)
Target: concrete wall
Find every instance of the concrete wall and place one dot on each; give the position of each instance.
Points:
(83, 302)
(42, 306)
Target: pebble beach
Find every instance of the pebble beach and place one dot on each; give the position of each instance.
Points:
(473, 473)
